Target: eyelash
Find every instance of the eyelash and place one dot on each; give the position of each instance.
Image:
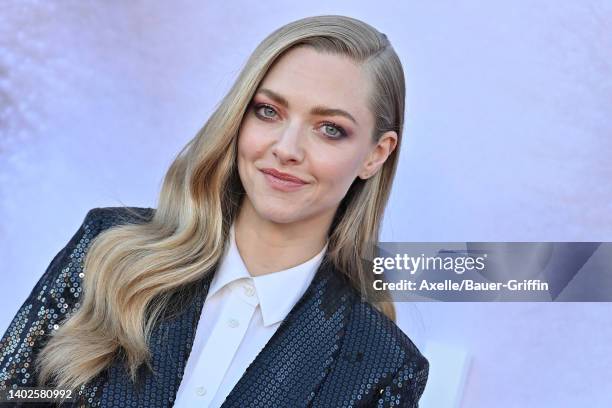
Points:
(340, 129)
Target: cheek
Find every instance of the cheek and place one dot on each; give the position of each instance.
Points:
(250, 146)
(338, 170)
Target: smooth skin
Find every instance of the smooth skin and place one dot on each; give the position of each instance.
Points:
(276, 230)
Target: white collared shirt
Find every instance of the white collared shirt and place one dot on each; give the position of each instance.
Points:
(240, 314)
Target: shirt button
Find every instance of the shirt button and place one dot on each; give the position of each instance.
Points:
(201, 391)
(233, 323)
(249, 290)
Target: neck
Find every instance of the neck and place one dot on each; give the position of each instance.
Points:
(266, 246)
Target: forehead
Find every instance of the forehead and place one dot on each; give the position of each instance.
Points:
(306, 77)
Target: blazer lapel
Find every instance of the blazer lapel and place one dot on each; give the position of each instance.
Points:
(170, 345)
(288, 370)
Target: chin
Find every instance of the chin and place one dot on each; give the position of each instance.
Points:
(278, 215)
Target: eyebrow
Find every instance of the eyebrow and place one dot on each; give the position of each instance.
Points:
(317, 110)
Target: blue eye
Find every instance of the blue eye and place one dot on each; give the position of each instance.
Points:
(267, 110)
(337, 132)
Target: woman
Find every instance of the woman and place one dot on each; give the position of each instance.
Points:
(245, 286)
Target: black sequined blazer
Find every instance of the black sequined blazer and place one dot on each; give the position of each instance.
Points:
(332, 350)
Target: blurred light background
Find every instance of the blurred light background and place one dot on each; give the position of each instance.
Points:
(508, 137)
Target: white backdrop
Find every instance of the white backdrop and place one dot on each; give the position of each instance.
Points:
(507, 138)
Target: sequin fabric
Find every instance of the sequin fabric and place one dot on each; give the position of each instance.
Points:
(332, 350)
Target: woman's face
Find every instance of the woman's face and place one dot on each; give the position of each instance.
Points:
(309, 119)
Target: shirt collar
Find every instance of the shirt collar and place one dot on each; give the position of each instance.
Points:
(232, 267)
(277, 292)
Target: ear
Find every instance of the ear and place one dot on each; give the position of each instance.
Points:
(377, 157)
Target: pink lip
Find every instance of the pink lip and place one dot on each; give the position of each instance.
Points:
(283, 176)
(284, 182)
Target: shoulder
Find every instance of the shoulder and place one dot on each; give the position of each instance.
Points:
(374, 338)
(369, 334)
(101, 217)
(376, 360)
(96, 220)
(402, 369)
(382, 338)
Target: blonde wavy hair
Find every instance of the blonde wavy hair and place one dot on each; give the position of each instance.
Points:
(132, 270)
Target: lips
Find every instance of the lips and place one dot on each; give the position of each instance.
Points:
(283, 176)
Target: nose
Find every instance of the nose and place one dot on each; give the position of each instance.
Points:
(288, 147)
